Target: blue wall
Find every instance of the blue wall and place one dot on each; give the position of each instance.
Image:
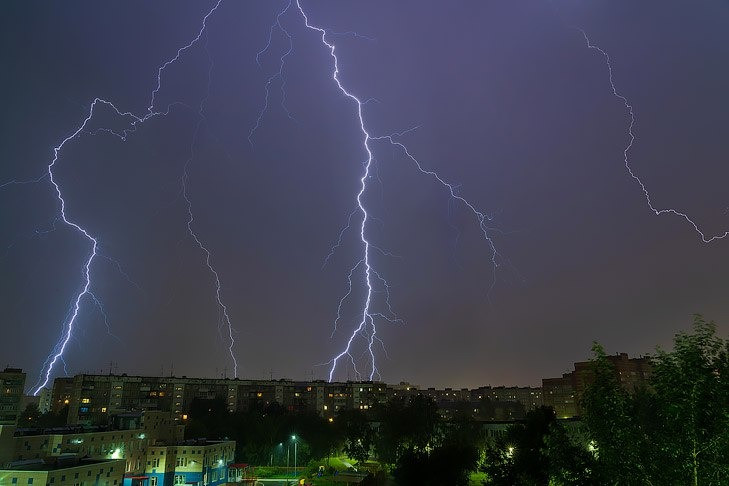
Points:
(190, 477)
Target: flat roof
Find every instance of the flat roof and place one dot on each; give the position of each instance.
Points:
(56, 465)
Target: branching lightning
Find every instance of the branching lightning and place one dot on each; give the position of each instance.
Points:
(85, 292)
(374, 283)
(190, 220)
(278, 74)
(629, 146)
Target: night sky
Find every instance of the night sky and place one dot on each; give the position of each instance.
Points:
(510, 105)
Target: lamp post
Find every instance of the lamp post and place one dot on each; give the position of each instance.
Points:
(293, 437)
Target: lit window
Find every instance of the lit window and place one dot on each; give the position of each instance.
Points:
(85, 400)
(259, 394)
(103, 409)
(184, 416)
(326, 408)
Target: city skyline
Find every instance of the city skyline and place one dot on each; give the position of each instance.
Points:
(239, 212)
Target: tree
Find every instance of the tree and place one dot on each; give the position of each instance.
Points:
(406, 425)
(538, 452)
(356, 433)
(673, 431)
(692, 386)
(31, 417)
(450, 463)
(620, 426)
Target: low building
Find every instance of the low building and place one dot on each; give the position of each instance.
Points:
(64, 472)
(194, 462)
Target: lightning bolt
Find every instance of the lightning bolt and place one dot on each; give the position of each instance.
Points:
(373, 281)
(188, 202)
(277, 75)
(56, 354)
(629, 146)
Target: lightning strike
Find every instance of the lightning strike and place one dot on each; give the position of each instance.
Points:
(366, 328)
(223, 308)
(85, 292)
(277, 75)
(629, 146)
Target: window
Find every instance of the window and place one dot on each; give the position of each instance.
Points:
(30, 480)
(179, 479)
(153, 481)
(14, 481)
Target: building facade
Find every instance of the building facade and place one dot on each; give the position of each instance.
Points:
(64, 472)
(94, 399)
(563, 394)
(12, 384)
(147, 449)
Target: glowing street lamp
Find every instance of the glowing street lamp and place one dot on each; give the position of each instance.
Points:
(293, 437)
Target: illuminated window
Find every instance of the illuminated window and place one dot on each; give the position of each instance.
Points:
(184, 416)
(326, 408)
(85, 400)
(103, 409)
(259, 394)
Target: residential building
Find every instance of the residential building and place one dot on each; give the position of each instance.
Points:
(563, 393)
(64, 472)
(12, 384)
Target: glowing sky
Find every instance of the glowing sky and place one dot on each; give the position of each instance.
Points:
(511, 107)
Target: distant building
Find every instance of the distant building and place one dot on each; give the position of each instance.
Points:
(530, 397)
(559, 393)
(12, 384)
(563, 393)
(93, 399)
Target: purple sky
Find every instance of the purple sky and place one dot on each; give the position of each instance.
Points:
(511, 106)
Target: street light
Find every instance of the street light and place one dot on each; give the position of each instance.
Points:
(293, 437)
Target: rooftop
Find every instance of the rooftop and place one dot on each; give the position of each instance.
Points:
(55, 464)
